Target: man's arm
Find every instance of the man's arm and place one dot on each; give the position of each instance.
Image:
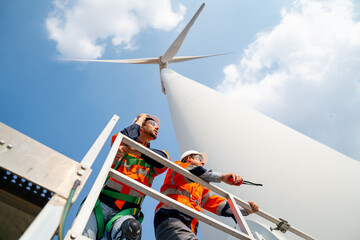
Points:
(140, 119)
(219, 206)
(151, 161)
(212, 176)
(205, 174)
(133, 131)
(227, 212)
(231, 179)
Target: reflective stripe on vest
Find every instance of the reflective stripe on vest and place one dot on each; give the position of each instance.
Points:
(135, 168)
(169, 191)
(213, 202)
(190, 193)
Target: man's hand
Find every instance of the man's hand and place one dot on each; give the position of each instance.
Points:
(123, 149)
(231, 179)
(140, 119)
(253, 206)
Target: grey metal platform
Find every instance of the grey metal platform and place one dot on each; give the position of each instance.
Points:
(31, 175)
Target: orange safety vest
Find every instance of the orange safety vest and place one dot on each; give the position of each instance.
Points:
(190, 193)
(136, 168)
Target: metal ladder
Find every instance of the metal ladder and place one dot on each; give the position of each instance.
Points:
(75, 232)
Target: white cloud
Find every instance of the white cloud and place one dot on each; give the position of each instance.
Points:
(81, 28)
(305, 72)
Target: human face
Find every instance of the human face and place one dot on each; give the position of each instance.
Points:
(150, 128)
(196, 160)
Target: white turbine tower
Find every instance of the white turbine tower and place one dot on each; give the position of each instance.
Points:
(305, 182)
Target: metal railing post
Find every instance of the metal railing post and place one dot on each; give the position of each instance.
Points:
(238, 216)
(93, 152)
(88, 205)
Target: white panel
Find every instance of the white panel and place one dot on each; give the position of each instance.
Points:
(313, 187)
(38, 163)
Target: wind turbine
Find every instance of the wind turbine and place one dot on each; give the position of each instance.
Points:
(169, 55)
(308, 184)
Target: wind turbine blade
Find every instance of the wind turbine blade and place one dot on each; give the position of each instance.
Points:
(175, 46)
(188, 58)
(132, 61)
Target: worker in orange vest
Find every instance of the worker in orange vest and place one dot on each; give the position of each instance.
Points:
(117, 212)
(175, 225)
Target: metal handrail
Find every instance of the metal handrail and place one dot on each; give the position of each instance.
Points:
(84, 214)
(177, 205)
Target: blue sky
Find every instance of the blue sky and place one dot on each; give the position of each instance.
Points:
(297, 62)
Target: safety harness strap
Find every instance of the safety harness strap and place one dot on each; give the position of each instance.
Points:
(121, 196)
(129, 211)
(99, 219)
(132, 160)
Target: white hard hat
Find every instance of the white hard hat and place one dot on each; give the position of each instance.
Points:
(191, 152)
